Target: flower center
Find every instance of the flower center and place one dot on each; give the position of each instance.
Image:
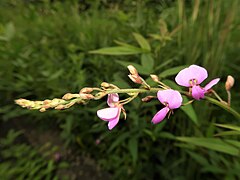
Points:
(193, 82)
(165, 104)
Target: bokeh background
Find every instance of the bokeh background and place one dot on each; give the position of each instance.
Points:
(44, 53)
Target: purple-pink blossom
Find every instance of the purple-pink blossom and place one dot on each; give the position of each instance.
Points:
(111, 114)
(171, 99)
(192, 77)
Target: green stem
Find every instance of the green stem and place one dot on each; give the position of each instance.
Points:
(226, 107)
(133, 90)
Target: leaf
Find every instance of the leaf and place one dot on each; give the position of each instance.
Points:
(147, 62)
(227, 133)
(9, 31)
(150, 134)
(171, 71)
(200, 159)
(124, 44)
(142, 41)
(212, 143)
(189, 111)
(56, 74)
(117, 50)
(229, 126)
(133, 148)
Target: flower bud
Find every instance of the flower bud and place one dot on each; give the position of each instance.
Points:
(42, 110)
(86, 96)
(59, 107)
(86, 90)
(147, 98)
(69, 96)
(105, 85)
(132, 70)
(136, 79)
(229, 83)
(154, 77)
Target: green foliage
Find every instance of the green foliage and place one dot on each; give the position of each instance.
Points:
(49, 49)
(21, 161)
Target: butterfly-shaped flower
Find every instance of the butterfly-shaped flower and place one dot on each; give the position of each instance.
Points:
(111, 114)
(171, 99)
(192, 77)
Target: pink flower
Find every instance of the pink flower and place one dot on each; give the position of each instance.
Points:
(171, 99)
(111, 114)
(192, 77)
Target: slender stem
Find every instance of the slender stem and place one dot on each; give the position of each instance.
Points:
(224, 106)
(133, 90)
(229, 97)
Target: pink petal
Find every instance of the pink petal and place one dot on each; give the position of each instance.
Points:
(160, 115)
(197, 92)
(172, 97)
(211, 84)
(114, 122)
(192, 72)
(112, 99)
(108, 114)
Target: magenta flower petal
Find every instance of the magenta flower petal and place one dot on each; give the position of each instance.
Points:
(211, 84)
(192, 72)
(197, 92)
(171, 97)
(113, 122)
(108, 114)
(160, 115)
(112, 99)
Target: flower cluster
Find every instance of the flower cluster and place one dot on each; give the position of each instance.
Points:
(190, 77)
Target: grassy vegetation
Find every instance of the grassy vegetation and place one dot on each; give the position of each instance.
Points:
(44, 53)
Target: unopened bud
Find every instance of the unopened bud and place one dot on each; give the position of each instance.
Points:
(154, 77)
(59, 107)
(47, 101)
(105, 85)
(42, 110)
(69, 96)
(229, 83)
(86, 90)
(86, 96)
(148, 98)
(132, 70)
(136, 79)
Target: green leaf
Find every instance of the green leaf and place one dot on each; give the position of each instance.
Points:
(133, 148)
(200, 159)
(124, 44)
(189, 111)
(213, 144)
(9, 31)
(150, 134)
(229, 126)
(227, 133)
(147, 62)
(117, 50)
(142, 41)
(171, 71)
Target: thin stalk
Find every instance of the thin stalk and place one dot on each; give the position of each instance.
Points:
(226, 107)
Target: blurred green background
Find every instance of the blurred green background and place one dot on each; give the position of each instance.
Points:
(44, 53)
